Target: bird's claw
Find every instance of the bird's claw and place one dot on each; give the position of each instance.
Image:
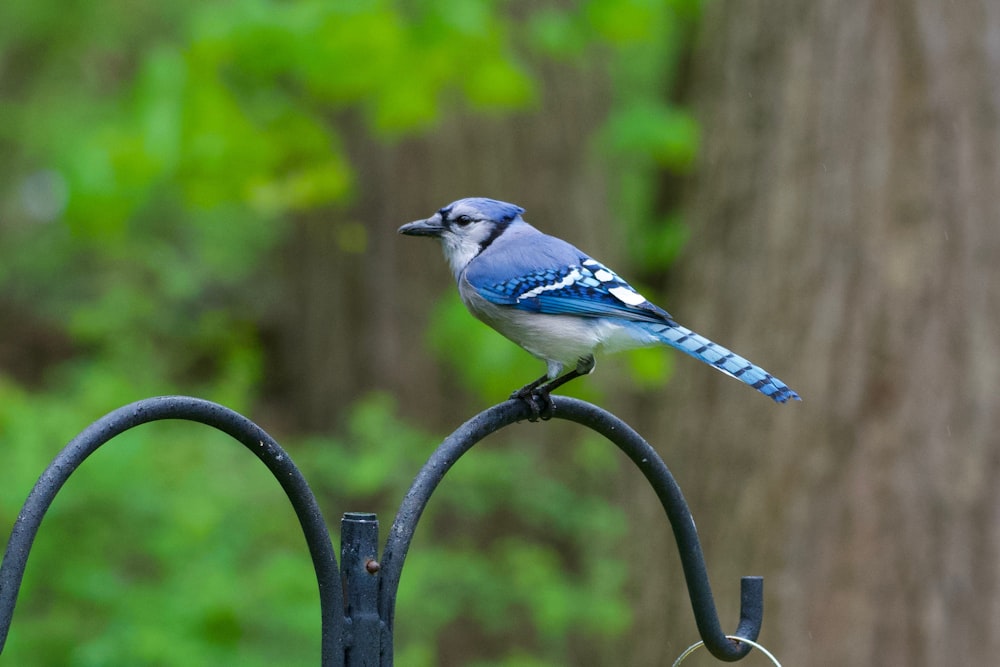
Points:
(540, 404)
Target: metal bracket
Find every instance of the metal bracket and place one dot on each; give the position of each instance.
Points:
(358, 604)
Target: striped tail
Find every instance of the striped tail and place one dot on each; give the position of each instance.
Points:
(722, 359)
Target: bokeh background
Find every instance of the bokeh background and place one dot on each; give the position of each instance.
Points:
(203, 197)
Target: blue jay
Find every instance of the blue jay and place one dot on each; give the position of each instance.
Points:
(557, 302)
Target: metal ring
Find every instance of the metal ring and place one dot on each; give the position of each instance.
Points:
(694, 647)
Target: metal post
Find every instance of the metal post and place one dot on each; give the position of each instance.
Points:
(359, 571)
(358, 613)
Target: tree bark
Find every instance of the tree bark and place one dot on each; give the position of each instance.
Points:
(846, 236)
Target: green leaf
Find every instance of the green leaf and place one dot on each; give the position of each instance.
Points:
(666, 135)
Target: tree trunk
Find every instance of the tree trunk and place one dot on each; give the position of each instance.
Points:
(846, 236)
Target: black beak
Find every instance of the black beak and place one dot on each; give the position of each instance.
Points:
(430, 227)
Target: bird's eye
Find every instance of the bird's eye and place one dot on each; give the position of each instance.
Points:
(463, 220)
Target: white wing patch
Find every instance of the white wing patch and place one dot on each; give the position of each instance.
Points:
(627, 296)
(604, 275)
(570, 278)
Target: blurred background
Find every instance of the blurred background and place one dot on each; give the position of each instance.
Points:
(203, 197)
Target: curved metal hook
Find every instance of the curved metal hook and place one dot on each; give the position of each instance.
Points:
(644, 457)
(211, 414)
(692, 560)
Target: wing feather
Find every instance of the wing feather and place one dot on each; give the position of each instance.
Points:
(585, 289)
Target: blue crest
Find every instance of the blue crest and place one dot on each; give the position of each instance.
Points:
(485, 208)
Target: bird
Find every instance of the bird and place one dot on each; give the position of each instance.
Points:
(558, 303)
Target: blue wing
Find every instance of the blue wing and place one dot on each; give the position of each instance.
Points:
(586, 289)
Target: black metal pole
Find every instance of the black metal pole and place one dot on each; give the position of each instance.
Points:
(365, 636)
(360, 572)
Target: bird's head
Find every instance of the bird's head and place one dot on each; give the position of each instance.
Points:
(466, 227)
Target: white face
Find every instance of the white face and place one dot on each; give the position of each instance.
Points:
(465, 232)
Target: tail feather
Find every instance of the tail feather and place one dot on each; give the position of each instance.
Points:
(724, 360)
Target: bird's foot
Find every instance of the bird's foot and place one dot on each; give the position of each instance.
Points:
(541, 406)
(538, 400)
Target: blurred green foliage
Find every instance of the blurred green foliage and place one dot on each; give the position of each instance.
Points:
(152, 155)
